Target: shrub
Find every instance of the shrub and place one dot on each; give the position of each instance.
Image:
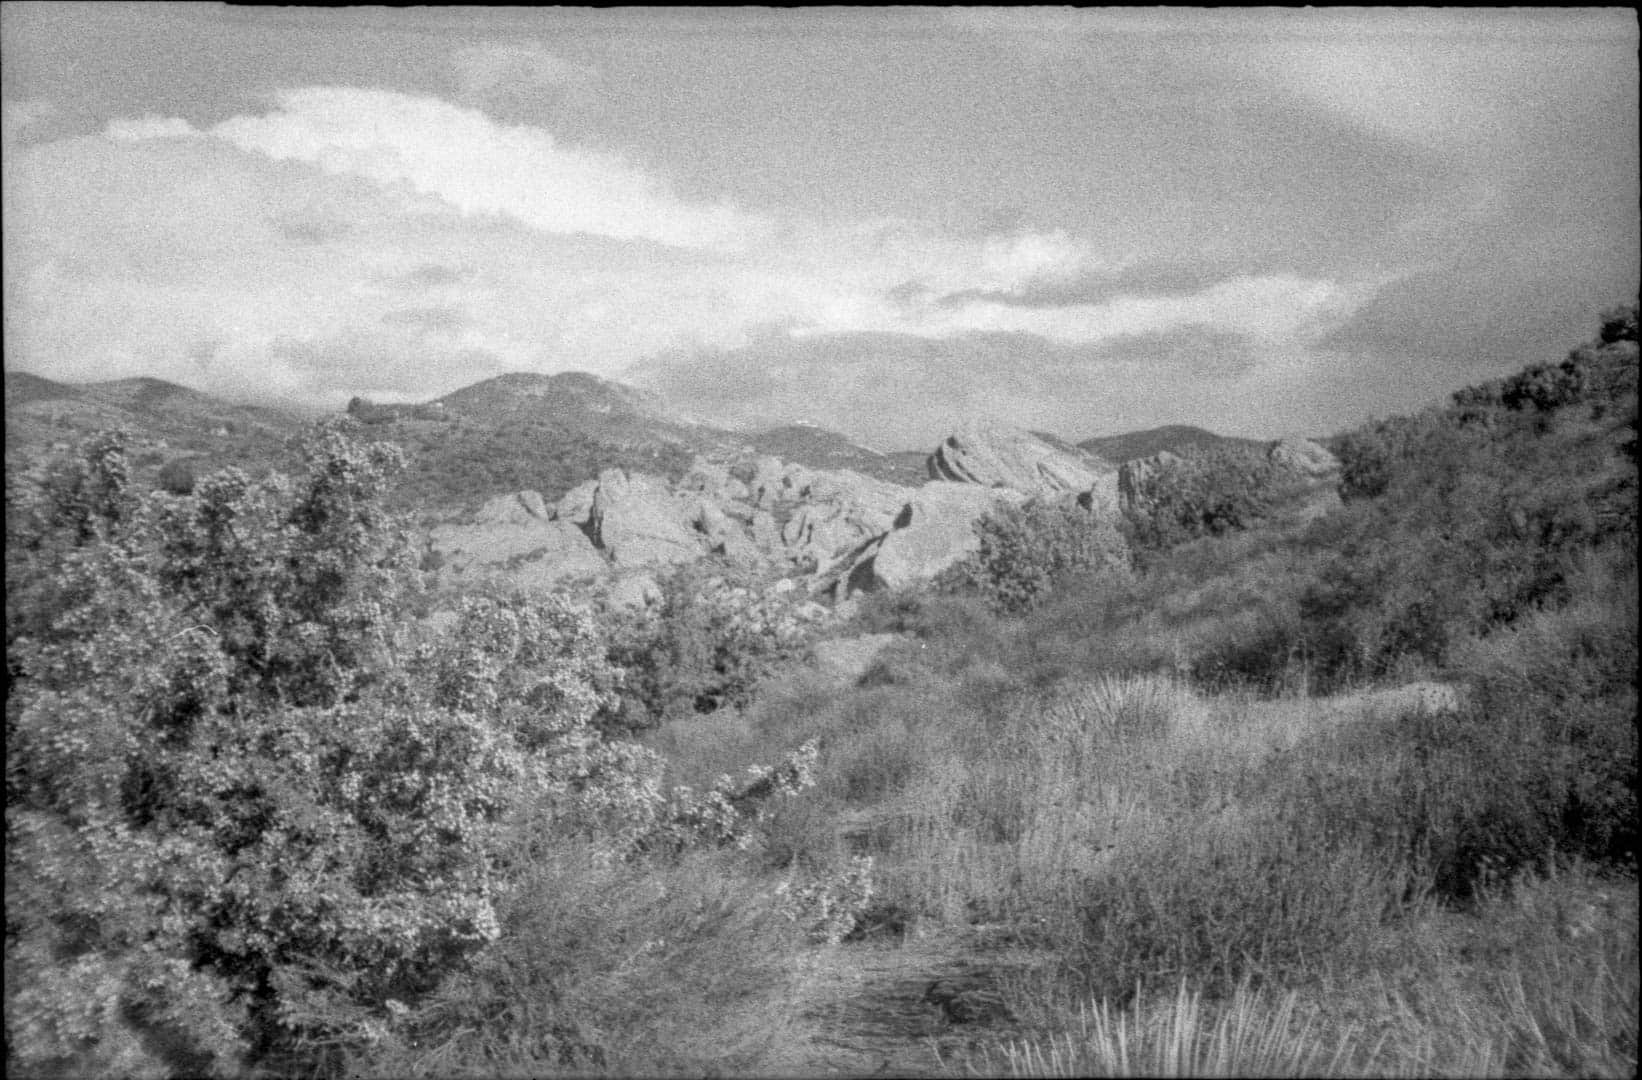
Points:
(1026, 550)
(242, 815)
(1203, 493)
(716, 633)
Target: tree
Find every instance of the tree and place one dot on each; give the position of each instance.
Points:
(1025, 550)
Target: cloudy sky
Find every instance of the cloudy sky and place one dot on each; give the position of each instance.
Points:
(884, 221)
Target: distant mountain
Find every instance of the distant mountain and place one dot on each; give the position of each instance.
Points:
(548, 433)
(818, 448)
(1175, 438)
(165, 421)
(22, 388)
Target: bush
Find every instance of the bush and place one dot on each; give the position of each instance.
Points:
(715, 635)
(1203, 493)
(1026, 550)
(243, 816)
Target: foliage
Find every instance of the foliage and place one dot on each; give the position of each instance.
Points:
(716, 632)
(1026, 550)
(459, 464)
(1203, 492)
(243, 812)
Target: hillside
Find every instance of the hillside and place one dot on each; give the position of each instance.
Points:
(548, 433)
(1173, 438)
(165, 420)
(1379, 763)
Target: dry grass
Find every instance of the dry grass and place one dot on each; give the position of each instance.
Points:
(1541, 980)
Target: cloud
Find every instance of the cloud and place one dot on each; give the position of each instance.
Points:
(365, 242)
(150, 126)
(469, 161)
(1192, 351)
(504, 73)
(371, 367)
(428, 319)
(24, 117)
(1448, 80)
(900, 391)
(308, 229)
(429, 276)
(1153, 277)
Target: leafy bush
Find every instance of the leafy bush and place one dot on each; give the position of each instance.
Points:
(715, 634)
(1203, 493)
(243, 814)
(1026, 550)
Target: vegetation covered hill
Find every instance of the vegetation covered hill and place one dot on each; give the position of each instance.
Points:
(1175, 438)
(1353, 796)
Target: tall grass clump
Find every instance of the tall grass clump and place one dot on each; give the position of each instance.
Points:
(1250, 1034)
(607, 969)
(1220, 900)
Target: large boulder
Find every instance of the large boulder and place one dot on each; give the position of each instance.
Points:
(712, 480)
(1315, 474)
(1306, 460)
(996, 455)
(724, 535)
(637, 521)
(520, 508)
(576, 505)
(1134, 480)
(934, 530)
(513, 532)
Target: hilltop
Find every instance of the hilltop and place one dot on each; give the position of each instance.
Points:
(166, 420)
(1173, 438)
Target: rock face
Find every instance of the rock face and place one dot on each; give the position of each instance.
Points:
(768, 514)
(636, 521)
(994, 455)
(1305, 458)
(1133, 478)
(835, 530)
(518, 533)
(1316, 473)
(935, 529)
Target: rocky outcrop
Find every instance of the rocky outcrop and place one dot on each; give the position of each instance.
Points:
(1305, 459)
(934, 530)
(1134, 480)
(1314, 474)
(576, 505)
(995, 455)
(637, 521)
(516, 532)
(835, 530)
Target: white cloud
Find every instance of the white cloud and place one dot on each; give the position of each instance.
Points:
(1028, 257)
(293, 242)
(482, 167)
(149, 126)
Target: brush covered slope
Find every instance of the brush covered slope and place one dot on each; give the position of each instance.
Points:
(269, 816)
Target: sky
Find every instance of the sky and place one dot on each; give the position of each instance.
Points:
(884, 221)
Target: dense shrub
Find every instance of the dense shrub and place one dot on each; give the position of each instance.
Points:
(244, 815)
(716, 632)
(1026, 550)
(1204, 493)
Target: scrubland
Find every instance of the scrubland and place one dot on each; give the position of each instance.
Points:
(260, 822)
